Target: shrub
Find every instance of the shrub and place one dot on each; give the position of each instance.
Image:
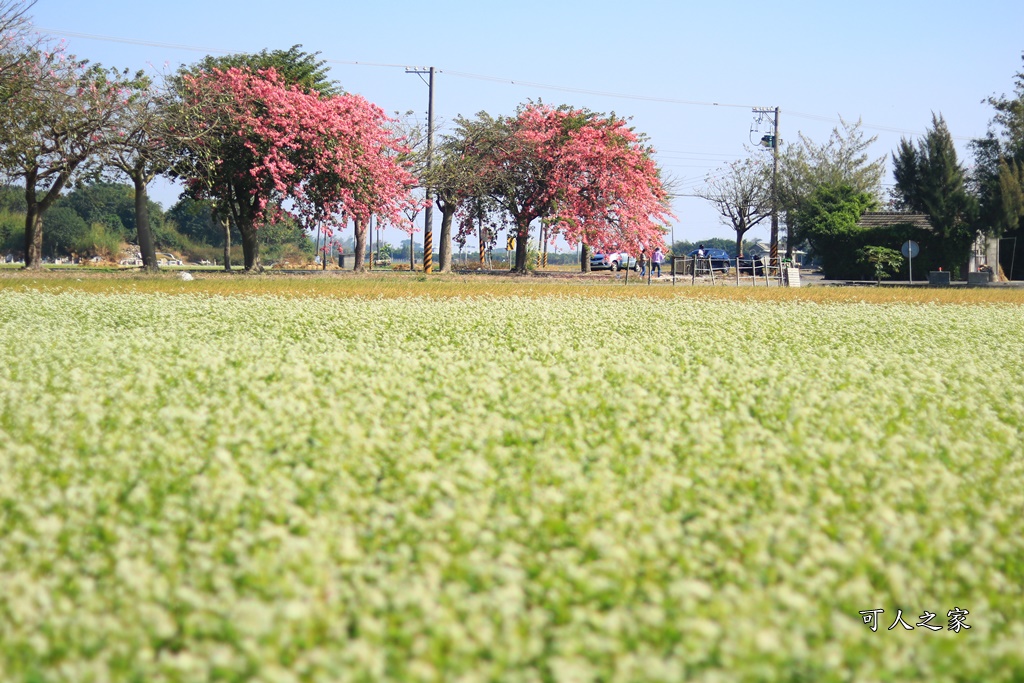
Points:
(100, 241)
(883, 261)
(12, 232)
(64, 231)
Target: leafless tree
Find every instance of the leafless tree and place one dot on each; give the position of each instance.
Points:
(742, 194)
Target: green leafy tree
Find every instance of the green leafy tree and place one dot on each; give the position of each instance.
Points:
(141, 151)
(100, 201)
(59, 114)
(455, 175)
(931, 180)
(998, 175)
(63, 231)
(100, 241)
(1010, 205)
(885, 262)
(1008, 121)
(842, 160)
(828, 219)
(12, 232)
(12, 198)
(195, 219)
(294, 66)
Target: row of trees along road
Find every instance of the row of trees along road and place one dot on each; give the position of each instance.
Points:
(823, 189)
(262, 136)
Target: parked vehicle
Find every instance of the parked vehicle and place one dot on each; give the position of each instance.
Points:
(165, 259)
(720, 259)
(752, 265)
(612, 261)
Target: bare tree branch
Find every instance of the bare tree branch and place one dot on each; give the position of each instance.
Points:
(742, 195)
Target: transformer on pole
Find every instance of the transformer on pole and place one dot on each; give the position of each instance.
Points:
(428, 234)
(772, 140)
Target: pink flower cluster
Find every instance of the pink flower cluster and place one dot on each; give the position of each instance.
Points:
(330, 155)
(593, 181)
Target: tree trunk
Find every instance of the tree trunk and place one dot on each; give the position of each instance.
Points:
(360, 264)
(739, 244)
(250, 249)
(33, 238)
(585, 259)
(522, 237)
(444, 248)
(142, 224)
(227, 243)
(34, 209)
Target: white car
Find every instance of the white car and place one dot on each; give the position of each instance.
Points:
(612, 261)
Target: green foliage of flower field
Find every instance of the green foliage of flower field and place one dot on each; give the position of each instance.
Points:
(507, 489)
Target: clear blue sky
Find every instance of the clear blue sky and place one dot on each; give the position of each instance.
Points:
(890, 64)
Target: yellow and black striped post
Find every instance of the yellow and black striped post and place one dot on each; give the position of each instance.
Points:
(428, 250)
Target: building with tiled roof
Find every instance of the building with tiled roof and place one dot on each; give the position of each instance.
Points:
(881, 219)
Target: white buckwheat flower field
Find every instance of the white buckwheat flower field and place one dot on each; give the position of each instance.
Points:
(198, 487)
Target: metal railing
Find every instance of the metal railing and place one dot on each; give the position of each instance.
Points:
(753, 270)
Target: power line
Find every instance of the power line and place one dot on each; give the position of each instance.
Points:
(686, 166)
(194, 48)
(493, 79)
(678, 151)
(585, 91)
(885, 129)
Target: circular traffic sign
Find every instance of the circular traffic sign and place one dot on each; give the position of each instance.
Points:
(910, 249)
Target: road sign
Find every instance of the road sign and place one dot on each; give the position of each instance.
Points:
(910, 250)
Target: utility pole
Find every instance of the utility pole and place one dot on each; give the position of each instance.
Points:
(773, 142)
(774, 248)
(428, 222)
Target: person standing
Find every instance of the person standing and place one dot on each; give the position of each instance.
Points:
(656, 260)
(641, 261)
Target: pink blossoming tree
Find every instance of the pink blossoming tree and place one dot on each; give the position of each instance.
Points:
(588, 176)
(270, 144)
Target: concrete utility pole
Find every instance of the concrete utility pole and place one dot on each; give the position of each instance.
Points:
(773, 142)
(774, 248)
(428, 222)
